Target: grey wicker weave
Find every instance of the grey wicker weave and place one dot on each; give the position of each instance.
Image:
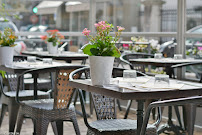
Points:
(105, 108)
(8, 98)
(58, 109)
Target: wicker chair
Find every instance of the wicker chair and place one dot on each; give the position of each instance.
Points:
(8, 98)
(9, 93)
(58, 109)
(193, 66)
(196, 100)
(105, 108)
(125, 59)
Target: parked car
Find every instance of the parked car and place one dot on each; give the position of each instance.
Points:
(168, 48)
(20, 45)
(39, 43)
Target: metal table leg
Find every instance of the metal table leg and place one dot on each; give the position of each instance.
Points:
(190, 115)
(140, 107)
(169, 126)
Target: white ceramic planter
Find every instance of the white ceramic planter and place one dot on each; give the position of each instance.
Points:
(101, 69)
(6, 55)
(52, 49)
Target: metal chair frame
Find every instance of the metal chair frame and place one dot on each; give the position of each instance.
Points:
(196, 100)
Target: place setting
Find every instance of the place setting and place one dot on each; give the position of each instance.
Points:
(32, 62)
(130, 81)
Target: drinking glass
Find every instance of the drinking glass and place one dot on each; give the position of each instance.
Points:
(158, 55)
(161, 79)
(177, 56)
(47, 60)
(128, 74)
(31, 58)
(80, 51)
(39, 49)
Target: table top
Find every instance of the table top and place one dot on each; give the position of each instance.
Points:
(19, 67)
(187, 89)
(66, 55)
(162, 61)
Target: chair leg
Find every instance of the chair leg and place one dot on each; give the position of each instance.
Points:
(59, 125)
(75, 98)
(3, 111)
(128, 108)
(178, 116)
(41, 126)
(153, 113)
(54, 127)
(75, 124)
(13, 112)
(91, 104)
(119, 105)
(19, 122)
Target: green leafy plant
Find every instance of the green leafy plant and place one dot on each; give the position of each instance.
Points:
(7, 38)
(102, 44)
(4, 13)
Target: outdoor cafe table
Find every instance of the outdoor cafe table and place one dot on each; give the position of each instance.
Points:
(20, 67)
(140, 94)
(163, 62)
(66, 55)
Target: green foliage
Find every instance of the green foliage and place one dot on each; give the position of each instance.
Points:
(102, 44)
(4, 13)
(2, 73)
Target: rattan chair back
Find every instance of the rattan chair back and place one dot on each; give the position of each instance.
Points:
(63, 91)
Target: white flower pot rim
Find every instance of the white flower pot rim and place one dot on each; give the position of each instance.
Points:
(101, 56)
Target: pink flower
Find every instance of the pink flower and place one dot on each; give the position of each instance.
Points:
(96, 25)
(104, 27)
(86, 32)
(102, 22)
(108, 26)
(199, 48)
(120, 28)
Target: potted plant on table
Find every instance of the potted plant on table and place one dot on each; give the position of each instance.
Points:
(102, 51)
(53, 39)
(7, 39)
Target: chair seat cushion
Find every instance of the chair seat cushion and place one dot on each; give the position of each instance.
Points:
(25, 93)
(118, 125)
(46, 104)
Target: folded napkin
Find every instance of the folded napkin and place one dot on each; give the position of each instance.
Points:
(159, 86)
(133, 80)
(38, 64)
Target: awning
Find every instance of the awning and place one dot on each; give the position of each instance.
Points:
(48, 7)
(76, 6)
